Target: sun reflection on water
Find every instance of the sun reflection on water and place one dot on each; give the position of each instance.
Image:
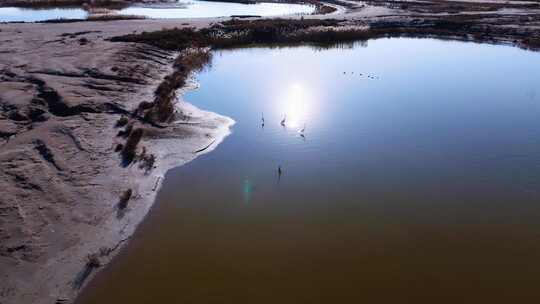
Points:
(296, 105)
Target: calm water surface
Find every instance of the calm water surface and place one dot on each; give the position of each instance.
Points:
(418, 181)
(206, 9)
(182, 9)
(15, 14)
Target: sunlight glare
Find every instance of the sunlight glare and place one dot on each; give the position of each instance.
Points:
(296, 105)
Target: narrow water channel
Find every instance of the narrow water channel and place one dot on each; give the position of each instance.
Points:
(417, 180)
(179, 9)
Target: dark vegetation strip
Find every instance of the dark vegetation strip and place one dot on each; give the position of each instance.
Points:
(452, 7)
(240, 33)
(112, 17)
(233, 33)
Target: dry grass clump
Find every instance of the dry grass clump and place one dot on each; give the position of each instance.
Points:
(127, 130)
(236, 33)
(113, 17)
(124, 198)
(118, 148)
(142, 107)
(169, 39)
(83, 41)
(162, 108)
(290, 24)
(533, 43)
(130, 147)
(147, 160)
(92, 261)
(122, 121)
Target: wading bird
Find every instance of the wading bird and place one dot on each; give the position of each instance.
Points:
(283, 120)
(303, 129)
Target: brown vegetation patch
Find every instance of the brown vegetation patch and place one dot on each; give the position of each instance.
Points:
(106, 17)
(162, 109)
(453, 7)
(122, 121)
(130, 148)
(113, 17)
(124, 199)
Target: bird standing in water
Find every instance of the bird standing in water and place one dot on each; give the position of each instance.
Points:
(279, 170)
(283, 120)
(262, 120)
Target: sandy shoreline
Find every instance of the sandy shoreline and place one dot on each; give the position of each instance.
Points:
(63, 87)
(62, 176)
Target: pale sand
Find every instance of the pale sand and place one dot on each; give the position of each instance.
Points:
(59, 206)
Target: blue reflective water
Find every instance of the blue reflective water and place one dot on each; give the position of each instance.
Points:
(181, 9)
(206, 9)
(417, 180)
(14, 14)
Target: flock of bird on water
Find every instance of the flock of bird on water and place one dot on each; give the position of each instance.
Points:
(302, 131)
(283, 123)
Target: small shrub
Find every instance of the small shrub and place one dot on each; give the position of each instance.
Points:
(533, 43)
(143, 106)
(124, 198)
(127, 131)
(163, 106)
(122, 121)
(104, 251)
(118, 148)
(147, 162)
(171, 39)
(92, 261)
(143, 153)
(130, 148)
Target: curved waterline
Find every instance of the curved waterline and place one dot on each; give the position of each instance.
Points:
(417, 178)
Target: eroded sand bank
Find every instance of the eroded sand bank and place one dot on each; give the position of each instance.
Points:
(60, 177)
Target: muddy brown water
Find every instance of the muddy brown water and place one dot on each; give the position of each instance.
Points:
(417, 180)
